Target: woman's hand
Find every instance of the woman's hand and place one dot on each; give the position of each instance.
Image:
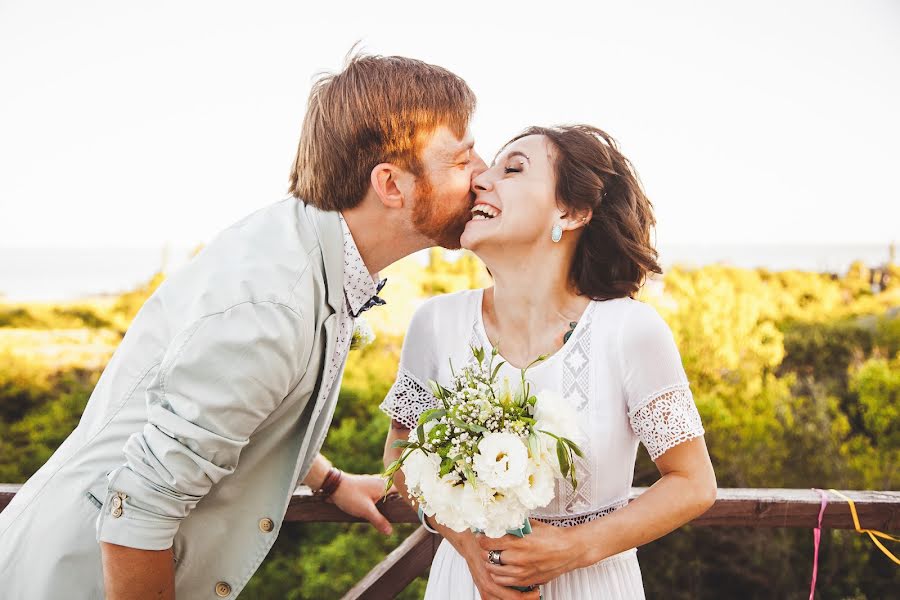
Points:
(544, 554)
(467, 545)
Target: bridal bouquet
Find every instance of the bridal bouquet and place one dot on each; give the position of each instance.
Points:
(491, 453)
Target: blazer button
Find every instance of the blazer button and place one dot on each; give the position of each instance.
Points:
(117, 512)
(222, 589)
(266, 525)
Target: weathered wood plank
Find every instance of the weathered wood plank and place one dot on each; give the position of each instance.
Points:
(398, 569)
(734, 507)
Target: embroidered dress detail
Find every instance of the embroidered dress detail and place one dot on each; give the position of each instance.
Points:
(666, 419)
(576, 370)
(581, 519)
(407, 399)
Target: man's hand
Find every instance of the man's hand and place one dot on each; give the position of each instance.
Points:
(357, 495)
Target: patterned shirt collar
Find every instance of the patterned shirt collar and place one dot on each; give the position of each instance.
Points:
(359, 285)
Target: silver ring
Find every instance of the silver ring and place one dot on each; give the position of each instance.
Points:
(494, 557)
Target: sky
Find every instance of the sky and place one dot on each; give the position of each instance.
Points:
(127, 124)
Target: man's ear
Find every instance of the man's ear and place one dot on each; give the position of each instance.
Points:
(388, 182)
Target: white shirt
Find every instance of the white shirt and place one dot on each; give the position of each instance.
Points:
(620, 370)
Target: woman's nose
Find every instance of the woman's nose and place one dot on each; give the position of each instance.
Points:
(481, 182)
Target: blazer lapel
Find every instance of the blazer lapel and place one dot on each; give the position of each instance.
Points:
(331, 241)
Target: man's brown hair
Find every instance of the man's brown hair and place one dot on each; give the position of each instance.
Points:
(378, 109)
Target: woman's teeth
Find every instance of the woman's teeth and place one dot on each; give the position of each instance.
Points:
(483, 212)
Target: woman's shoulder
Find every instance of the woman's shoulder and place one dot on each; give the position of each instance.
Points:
(447, 310)
(628, 317)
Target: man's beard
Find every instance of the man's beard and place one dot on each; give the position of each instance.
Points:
(444, 229)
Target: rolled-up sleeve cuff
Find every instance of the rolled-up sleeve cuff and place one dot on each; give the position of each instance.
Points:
(136, 524)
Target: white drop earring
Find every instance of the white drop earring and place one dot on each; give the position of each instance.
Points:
(556, 233)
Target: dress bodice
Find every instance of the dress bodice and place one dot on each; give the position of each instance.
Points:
(620, 370)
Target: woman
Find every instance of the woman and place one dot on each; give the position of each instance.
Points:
(563, 225)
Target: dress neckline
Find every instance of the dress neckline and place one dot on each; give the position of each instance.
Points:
(481, 331)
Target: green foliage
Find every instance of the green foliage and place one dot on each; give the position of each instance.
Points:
(796, 376)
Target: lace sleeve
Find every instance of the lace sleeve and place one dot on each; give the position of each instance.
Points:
(407, 399)
(666, 419)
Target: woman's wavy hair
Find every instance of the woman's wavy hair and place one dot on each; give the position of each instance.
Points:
(615, 252)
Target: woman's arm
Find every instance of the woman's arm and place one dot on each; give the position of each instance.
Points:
(685, 491)
(466, 543)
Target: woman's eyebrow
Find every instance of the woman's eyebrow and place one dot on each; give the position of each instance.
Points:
(511, 154)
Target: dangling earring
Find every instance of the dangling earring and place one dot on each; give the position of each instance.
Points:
(556, 233)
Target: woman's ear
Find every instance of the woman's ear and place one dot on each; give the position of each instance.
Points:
(576, 219)
(388, 182)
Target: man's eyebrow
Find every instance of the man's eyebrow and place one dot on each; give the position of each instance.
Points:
(466, 147)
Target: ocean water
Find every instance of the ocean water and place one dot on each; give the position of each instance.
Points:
(48, 274)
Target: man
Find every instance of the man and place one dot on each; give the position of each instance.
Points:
(217, 400)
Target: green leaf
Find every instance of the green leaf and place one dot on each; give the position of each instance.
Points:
(403, 444)
(392, 468)
(446, 466)
(420, 433)
(534, 444)
(431, 414)
(497, 370)
(563, 457)
(573, 446)
(470, 474)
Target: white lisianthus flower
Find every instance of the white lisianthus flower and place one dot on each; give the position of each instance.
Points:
(539, 487)
(452, 503)
(557, 415)
(420, 468)
(502, 513)
(501, 461)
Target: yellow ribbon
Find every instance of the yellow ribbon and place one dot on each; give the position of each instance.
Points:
(872, 533)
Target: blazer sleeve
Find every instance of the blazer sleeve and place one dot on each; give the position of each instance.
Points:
(218, 381)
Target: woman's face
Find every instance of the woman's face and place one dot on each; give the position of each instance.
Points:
(515, 199)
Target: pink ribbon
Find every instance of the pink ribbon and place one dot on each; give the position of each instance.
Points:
(817, 536)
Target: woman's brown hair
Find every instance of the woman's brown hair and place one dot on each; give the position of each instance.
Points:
(378, 109)
(615, 253)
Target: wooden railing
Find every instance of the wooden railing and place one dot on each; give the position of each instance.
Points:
(734, 507)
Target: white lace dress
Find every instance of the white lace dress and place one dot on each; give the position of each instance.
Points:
(622, 372)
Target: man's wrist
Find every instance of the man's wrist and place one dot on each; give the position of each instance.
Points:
(333, 479)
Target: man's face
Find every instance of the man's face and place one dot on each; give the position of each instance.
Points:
(443, 195)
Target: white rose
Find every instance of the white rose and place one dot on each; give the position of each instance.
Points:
(501, 461)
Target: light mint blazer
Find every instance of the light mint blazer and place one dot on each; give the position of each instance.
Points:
(208, 414)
